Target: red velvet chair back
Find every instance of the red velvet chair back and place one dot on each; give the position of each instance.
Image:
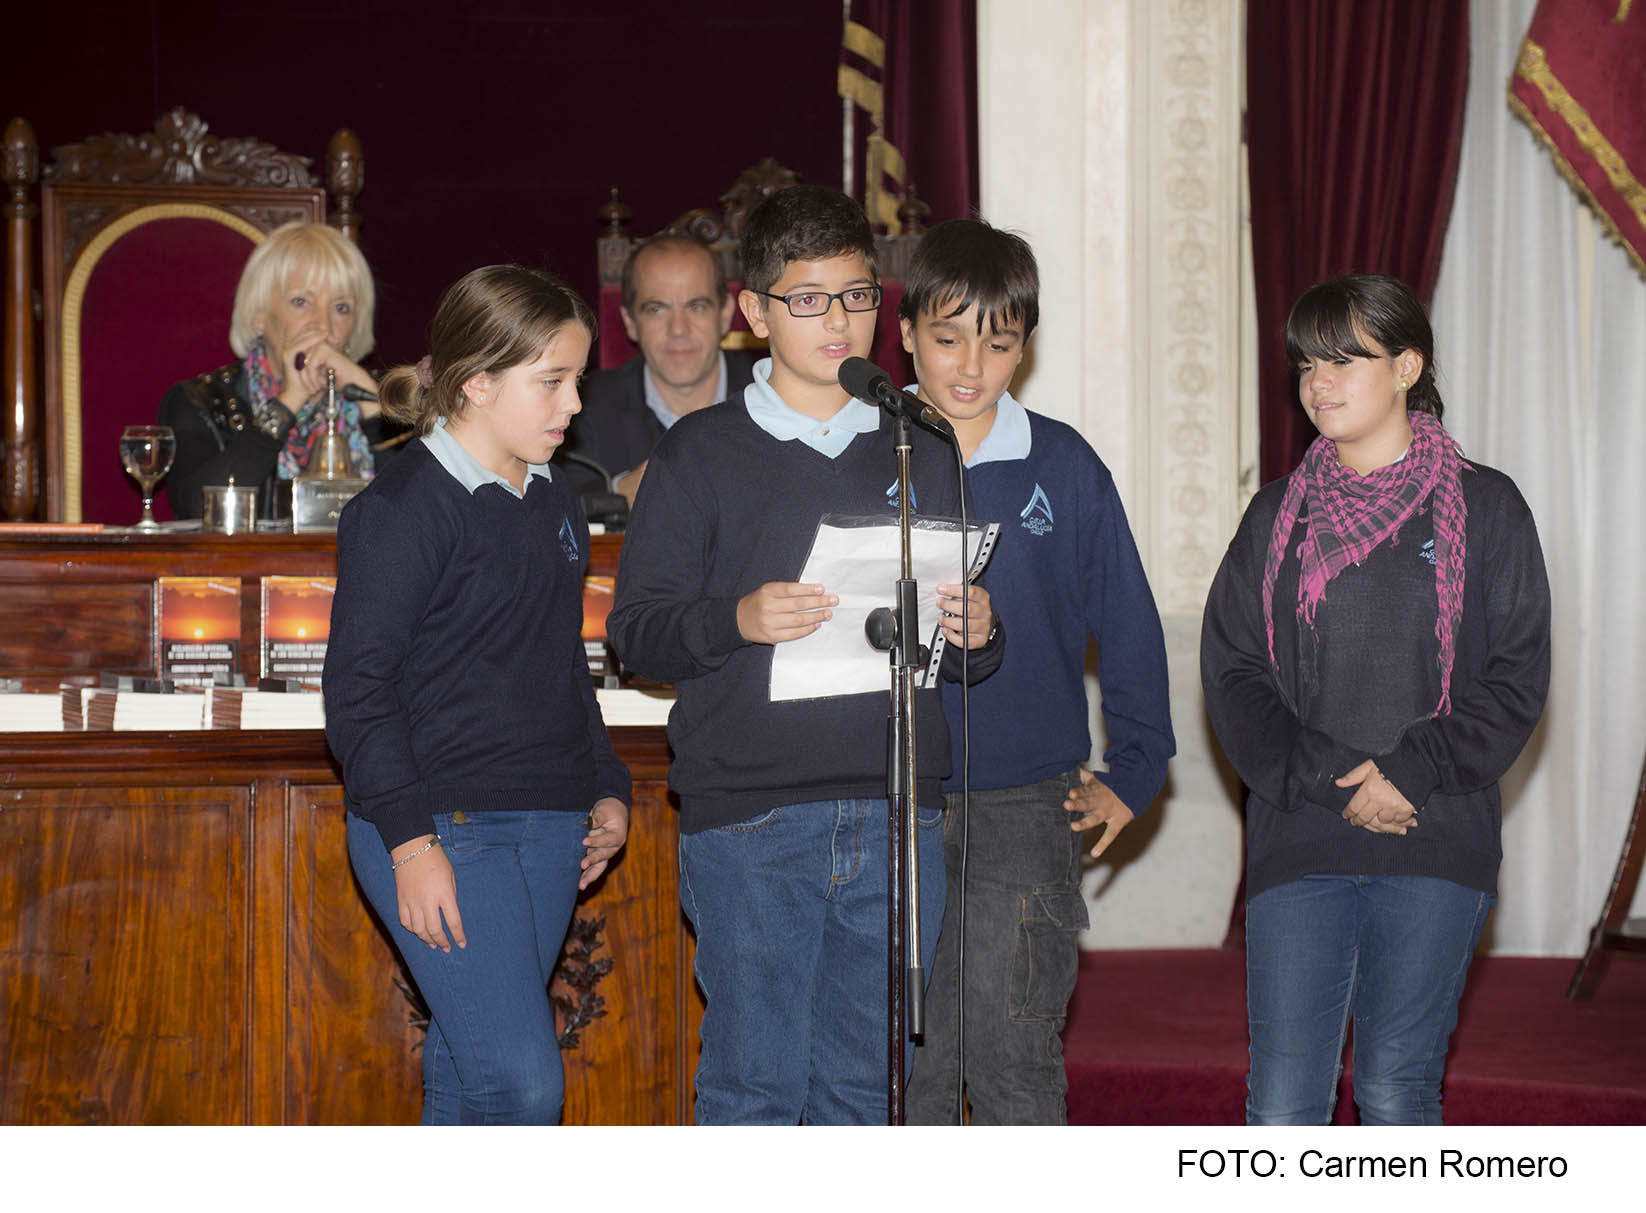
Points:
(143, 239)
(154, 306)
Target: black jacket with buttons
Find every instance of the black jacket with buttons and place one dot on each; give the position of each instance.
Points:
(217, 437)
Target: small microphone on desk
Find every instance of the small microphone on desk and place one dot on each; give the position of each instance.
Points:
(868, 382)
(609, 508)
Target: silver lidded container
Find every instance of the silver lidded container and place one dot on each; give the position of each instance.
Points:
(228, 509)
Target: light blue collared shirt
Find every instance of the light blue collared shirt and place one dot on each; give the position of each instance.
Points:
(659, 407)
(769, 411)
(1008, 438)
(466, 469)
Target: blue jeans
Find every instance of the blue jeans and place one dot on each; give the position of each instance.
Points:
(491, 1056)
(1024, 913)
(1394, 951)
(790, 913)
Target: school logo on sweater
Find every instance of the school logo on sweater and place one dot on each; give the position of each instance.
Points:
(891, 497)
(568, 541)
(1037, 515)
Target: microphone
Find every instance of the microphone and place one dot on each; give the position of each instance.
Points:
(349, 392)
(868, 382)
(602, 504)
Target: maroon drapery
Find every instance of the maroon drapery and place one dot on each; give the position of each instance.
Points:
(913, 65)
(1354, 121)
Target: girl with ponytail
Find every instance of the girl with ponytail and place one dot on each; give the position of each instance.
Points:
(481, 788)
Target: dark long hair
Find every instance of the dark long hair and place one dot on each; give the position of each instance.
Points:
(1335, 318)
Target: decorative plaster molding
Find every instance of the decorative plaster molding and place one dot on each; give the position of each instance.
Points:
(1186, 169)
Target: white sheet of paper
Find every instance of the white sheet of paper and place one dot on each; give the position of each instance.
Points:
(862, 564)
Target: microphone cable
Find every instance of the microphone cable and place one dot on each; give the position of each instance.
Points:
(965, 795)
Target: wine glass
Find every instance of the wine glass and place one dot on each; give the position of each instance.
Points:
(147, 452)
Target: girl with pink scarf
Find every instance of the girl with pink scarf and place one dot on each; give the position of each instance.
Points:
(1375, 653)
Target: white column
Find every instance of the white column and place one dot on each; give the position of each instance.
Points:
(1030, 67)
(1109, 135)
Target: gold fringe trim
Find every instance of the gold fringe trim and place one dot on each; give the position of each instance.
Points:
(1622, 12)
(1533, 66)
(891, 160)
(863, 41)
(1518, 107)
(861, 91)
(74, 296)
(883, 160)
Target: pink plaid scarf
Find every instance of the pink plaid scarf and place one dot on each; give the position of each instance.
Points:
(1349, 515)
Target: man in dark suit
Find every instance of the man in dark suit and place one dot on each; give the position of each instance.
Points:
(676, 309)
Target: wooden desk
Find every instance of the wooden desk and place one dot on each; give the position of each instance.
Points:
(75, 606)
(181, 938)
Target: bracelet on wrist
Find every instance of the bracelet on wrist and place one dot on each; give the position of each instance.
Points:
(405, 859)
(274, 418)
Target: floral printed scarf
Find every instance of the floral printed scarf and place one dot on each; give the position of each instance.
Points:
(263, 385)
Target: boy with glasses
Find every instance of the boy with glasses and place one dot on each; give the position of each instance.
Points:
(783, 816)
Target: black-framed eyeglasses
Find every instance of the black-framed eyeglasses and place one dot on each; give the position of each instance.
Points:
(805, 304)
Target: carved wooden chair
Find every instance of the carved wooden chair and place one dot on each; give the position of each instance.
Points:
(720, 228)
(142, 240)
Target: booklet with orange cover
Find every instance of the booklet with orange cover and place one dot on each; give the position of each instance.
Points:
(296, 626)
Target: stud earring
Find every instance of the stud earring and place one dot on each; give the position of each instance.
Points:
(1404, 385)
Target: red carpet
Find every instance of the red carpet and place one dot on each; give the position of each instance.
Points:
(1159, 1038)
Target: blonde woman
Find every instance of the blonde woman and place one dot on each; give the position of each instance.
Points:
(303, 306)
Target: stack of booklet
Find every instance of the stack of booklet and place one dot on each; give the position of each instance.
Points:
(246, 709)
(121, 708)
(633, 707)
(21, 713)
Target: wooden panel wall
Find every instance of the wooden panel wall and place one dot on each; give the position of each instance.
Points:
(181, 937)
(352, 1055)
(76, 606)
(182, 942)
(124, 955)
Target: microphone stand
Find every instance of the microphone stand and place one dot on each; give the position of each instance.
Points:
(897, 630)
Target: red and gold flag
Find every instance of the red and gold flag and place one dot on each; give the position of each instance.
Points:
(1580, 84)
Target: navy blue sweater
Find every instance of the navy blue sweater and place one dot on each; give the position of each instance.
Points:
(1363, 685)
(455, 675)
(1066, 567)
(724, 508)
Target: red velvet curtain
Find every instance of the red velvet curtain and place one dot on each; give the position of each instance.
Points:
(927, 80)
(1354, 121)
